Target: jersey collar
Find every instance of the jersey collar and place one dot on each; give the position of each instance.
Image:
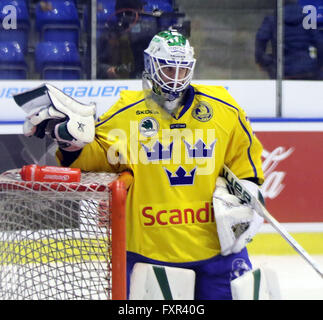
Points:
(188, 99)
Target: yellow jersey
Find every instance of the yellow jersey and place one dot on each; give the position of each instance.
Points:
(175, 160)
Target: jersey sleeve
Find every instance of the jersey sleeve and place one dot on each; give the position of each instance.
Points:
(93, 157)
(244, 151)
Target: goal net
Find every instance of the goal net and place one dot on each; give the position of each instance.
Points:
(56, 238)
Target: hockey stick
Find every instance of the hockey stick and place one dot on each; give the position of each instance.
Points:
(241, 192)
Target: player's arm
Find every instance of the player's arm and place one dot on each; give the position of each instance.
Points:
(243, 154)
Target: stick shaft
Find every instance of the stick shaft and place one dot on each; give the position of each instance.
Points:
(241, 191)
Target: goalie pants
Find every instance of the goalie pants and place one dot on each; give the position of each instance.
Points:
(213, 276)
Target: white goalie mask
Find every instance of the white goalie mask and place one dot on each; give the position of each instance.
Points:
(169, 66)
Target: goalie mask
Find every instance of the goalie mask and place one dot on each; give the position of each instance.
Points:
(169, 65)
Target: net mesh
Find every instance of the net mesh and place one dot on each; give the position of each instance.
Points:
(55, 238)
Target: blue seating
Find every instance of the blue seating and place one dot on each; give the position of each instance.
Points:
(58, 21)
(164, 6)
(58, 60)
(74, 1)
(105, 8)
(7, 30)
(105, 14)
(12, 61)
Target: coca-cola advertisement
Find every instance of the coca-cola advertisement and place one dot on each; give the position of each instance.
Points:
(293, 171)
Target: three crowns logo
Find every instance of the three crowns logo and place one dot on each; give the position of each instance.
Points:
(158, 152)
(180, 177)
(199, 150)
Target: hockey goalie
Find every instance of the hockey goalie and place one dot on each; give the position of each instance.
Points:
(174, 136)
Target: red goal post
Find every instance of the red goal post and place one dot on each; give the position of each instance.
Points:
(63, 240)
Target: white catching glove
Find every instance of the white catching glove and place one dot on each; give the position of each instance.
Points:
(237, 222)
(50, 111)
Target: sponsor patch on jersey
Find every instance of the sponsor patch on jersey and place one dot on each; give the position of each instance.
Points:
(148, 127)
(202, 112)
(178, 126)
(141, 112)
(180, 214)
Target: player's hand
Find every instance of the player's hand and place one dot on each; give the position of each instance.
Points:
(237, 222)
